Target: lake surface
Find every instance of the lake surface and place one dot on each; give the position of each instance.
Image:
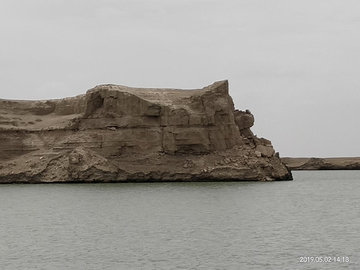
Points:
(229, 225)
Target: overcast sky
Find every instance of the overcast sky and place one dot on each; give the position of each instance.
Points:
(295, 64)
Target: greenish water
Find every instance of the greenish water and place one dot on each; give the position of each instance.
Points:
(230, 225)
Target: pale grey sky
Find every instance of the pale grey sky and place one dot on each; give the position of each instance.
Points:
(294, 63)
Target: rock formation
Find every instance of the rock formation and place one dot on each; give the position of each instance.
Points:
(116, 133)
(310, 164)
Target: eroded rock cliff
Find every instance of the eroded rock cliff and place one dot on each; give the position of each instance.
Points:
(118, 133)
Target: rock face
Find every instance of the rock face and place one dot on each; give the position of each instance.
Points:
(116, 133)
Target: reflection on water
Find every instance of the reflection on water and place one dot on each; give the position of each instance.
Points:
(230, 225)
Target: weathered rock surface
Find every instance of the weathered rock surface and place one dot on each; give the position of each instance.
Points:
(341, 163)
(117, 133)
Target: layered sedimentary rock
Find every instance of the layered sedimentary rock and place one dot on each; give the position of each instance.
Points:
(117, 133)
(340, 163)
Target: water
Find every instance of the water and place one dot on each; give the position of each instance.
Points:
(230, 225)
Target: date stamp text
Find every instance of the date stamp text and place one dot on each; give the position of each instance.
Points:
(324, 259)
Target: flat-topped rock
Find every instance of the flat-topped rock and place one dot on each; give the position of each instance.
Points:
(119, 133)
(310, 164)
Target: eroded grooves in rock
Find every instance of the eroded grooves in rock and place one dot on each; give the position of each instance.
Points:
(118, 133)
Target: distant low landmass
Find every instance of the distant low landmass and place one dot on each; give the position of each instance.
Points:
(338, 163)
(121, 134)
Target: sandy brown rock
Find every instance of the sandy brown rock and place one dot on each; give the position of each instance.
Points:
(118, 133)
(341, 163)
